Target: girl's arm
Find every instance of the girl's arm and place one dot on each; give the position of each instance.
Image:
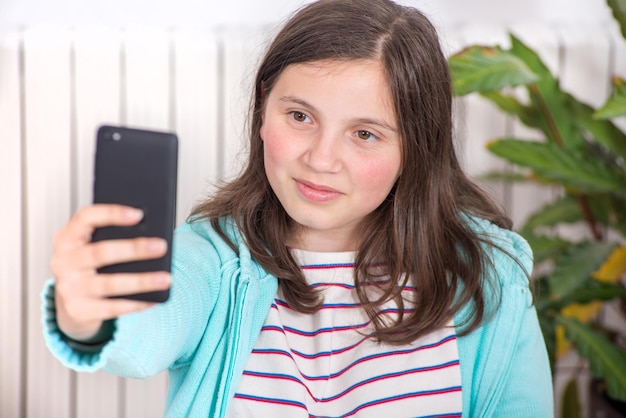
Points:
(140, 342)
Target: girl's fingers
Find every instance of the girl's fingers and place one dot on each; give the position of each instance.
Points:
(94, 311)
(80, 318)
(103, 253)
(80, 228)
(83, 304)
(82, 295)
(108, 252)
(120, 284)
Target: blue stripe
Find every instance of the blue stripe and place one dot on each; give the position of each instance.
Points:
(281, 302)
(270, 351)
(323, 330)
(271, 400)
(349, 347)
(329, 284)
(351, 286)
(358, 361)
(402, 396)
(272, 328)
(313, 333)
(323, 266)
(390, 375)
(354, 386)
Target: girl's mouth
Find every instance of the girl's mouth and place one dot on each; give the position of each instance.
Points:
(315, 192)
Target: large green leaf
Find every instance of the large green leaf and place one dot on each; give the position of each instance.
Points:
(568, 167)
(504, 176)
(605, 359)
(528, 115)
(550, 101)
(603, 130)
(545, 247)
(570, 406)
(531, 116)
(590, 290)
(608, 210)
(616, 105)
(547, 323)
(574, 267)
(563, 210)
(619, 13)
(485, 69)
(594, 290)
(547, 319)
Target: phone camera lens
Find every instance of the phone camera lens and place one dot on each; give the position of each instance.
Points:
(116, 136)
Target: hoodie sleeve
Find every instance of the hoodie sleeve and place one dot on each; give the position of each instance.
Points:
(504, 363)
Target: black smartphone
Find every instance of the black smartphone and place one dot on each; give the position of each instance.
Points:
(138, 168)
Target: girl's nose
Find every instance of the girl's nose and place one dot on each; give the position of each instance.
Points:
(324, 153)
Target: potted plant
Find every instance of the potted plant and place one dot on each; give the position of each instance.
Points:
(583, 155)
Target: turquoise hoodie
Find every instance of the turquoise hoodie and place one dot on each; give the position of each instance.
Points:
(219, 300)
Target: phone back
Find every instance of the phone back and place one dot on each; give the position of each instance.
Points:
(138, 168)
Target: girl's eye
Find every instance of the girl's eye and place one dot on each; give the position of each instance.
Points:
(365, 135)
(299, 116)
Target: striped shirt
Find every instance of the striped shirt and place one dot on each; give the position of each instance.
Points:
(324, 365)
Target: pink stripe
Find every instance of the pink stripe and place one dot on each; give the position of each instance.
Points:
(341, 285)
(328, 266)
(352, 287)
(391, 376)
(358, 361)
(359, 384)
(271, 401)
(283, 304)
(401, 397)
(315, 333)
(283, 329)
(355, 345)
(280, 377)
(334, 266)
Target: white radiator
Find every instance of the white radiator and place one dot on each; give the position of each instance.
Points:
(57, 84)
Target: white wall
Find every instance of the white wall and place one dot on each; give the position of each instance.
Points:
(220, 12)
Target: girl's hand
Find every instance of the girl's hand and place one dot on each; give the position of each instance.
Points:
(81, 294)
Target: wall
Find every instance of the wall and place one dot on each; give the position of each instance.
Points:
(216, 12)
(57, 82)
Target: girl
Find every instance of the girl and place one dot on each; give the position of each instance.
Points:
(352, 269)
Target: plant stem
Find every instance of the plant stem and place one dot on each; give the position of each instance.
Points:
(556, 135)
(553, 130)
(588, 214)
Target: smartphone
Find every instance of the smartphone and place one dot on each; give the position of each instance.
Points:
(138, 168)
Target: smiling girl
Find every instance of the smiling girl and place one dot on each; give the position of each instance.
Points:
(352, 269)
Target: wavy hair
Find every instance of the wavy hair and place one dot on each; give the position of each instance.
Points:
(418, 233)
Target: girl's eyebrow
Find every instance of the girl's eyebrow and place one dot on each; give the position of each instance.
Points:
(366, 121)
(296, 100)
(378, 122)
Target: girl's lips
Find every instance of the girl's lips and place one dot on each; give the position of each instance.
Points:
(315, 192)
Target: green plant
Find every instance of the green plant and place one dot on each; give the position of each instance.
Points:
(583, 155)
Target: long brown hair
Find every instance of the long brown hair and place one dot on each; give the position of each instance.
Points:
(419, 233)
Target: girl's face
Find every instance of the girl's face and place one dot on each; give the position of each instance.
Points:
(332, 149)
